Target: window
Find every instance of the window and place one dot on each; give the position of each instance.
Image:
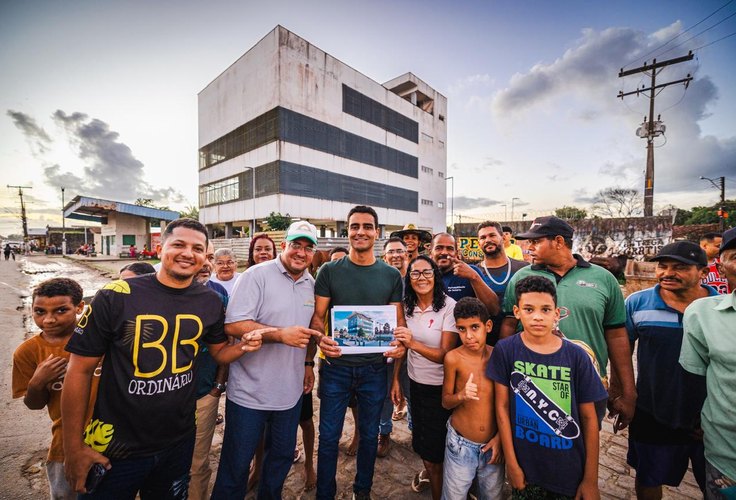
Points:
(441, 175)
(440, 204)
(219, 192)
(363, 107)
(128, 239)
(427, 170)
(427, 203)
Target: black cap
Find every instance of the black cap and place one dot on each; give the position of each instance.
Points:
(728, 241)
(547, 226)
(683, 251)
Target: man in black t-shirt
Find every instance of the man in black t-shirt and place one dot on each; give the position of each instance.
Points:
(147, 328)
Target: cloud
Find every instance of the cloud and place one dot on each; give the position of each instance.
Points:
(462, 84)
(492, 162)
(38, 140)
(581, 196)
(588, 74)
(468, 203)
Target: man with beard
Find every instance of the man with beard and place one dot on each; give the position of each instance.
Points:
(498, 268)
(147, 329)
(665, 433)
(460, 278)
(414, 238)
(591, 306)
(709, 349)
(211, 381)
(265, 394)
(357, 280)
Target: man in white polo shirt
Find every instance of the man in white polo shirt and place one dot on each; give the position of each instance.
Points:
(268, 389)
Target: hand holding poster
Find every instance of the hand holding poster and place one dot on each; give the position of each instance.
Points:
(363, 329)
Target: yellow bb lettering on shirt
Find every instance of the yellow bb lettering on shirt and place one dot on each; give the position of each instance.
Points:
(137, 345)
(144, 322)
(191, 341)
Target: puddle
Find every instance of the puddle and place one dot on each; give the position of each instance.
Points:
(89, 280)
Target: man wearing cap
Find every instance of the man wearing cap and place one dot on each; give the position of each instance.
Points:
(709, 349)
(513, 251)
(591, 308)
(665, 433)
(265, 392)
(414, 238)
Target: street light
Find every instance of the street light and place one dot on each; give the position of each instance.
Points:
(505, 214)
(452, 200)
(512, 207)
(253, 173)
(722, 208)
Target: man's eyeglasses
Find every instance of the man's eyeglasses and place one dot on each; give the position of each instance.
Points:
(298, 247)
(227, 263)
(400, 251)
(427, 273)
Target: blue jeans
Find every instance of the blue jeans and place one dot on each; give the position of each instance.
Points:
(243, 432)
(336, 385)
(164, 475)
(464, 461)
(387, 424)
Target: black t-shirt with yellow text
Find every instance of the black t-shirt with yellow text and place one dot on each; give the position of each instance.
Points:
(147, 333)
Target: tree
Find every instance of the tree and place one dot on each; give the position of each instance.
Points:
(278, 222)
(190, 211)
(571, 213)
(148, 202)
(617, 202)
(709, 215)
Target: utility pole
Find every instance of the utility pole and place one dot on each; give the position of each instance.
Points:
(651, 129)
(23, 218)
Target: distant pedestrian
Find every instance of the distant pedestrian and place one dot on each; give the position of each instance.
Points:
(8, 251)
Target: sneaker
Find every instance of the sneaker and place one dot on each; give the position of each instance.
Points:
(361, 495)
(420, 481)
(384, 445)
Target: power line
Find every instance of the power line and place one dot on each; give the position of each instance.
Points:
(680, 34)
(715, 41)
(696, 35)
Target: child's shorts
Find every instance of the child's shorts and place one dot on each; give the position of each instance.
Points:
(464, 461)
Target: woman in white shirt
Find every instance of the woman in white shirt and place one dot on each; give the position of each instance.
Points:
(429, 334)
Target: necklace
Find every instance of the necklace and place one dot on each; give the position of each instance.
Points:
(508, 272)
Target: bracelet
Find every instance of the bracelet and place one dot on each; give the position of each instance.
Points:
(220, 387)
(309, 363)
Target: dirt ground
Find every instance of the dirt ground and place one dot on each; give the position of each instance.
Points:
(25, 434)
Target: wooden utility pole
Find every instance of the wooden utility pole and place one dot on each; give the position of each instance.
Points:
(653, 129)
(23, 218)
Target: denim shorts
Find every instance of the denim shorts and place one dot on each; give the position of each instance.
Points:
(465, 460)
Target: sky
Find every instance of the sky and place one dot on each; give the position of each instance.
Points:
(101, 97)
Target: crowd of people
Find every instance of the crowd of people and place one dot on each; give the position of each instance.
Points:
(502, 368)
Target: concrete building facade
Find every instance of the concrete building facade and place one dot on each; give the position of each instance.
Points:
(321, 138)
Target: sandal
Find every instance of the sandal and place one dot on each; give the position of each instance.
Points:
(419, 483)
(297, 454)
(399, 413)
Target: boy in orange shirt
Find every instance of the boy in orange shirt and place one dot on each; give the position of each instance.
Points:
(39, 365)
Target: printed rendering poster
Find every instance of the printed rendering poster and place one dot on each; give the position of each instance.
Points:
(363, 329)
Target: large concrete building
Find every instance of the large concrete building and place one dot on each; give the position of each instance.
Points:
(321, 138)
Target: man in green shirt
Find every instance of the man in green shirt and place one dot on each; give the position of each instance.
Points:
(709, 349)
(358, 280)
(591, 305)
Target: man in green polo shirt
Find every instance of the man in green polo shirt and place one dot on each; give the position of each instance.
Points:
(709, 348)
(591, 305)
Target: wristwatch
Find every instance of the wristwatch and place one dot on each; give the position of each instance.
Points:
(220, 387)
(309, 363)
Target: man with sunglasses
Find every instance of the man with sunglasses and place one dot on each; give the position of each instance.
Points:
(265, 394)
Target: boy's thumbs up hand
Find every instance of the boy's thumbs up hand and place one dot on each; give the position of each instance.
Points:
(471, 389)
